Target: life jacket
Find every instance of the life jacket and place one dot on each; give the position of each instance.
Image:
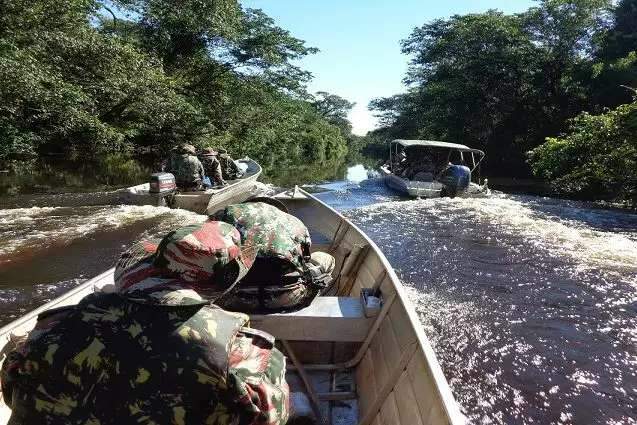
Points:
(284, 275)
(115, 359)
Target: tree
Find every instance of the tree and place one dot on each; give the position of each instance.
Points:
(90, 78)
(498, 82)
(596, 158)
(615, 64)
(621, 39)
(469, 82)
(334, 109)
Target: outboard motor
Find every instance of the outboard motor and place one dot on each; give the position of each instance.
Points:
(455, 178)
(162, 183)
(162, 186)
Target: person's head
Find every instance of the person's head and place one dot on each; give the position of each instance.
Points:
(207, 258)
(187, 148)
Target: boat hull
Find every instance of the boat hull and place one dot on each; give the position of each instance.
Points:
(434, 189)
(413, 189)
(397, 377)
(200, 202)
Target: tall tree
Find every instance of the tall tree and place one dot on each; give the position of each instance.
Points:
(496, 81)
(334, 109)
(88, 78)
(621, 39)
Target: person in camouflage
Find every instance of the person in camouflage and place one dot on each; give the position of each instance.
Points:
(212, 167)
(229, 168)
(154, 352)
(187, 169)
(285, 276)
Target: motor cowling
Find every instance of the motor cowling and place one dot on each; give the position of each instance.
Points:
(162, 183)
(455, 178)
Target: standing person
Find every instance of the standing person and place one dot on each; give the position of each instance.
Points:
(156, 351)
(187, 169)
(212, 167)
(229, 168)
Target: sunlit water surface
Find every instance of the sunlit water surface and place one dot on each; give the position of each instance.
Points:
(530, 303)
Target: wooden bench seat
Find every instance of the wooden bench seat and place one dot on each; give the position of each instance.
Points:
(339, 319)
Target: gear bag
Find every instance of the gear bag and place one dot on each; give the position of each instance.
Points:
(284, 276)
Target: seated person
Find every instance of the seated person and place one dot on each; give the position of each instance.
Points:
(212, 167)
(156, 351)
(187, 169)
(229, 168)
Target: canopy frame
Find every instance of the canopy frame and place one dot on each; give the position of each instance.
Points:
(431, 144)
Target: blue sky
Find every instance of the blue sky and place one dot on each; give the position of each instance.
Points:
(359, 40)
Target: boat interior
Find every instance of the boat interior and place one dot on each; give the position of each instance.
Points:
(358, 362)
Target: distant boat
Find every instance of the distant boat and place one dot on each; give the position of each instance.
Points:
(360, 349)
(198, 201)
(432, 169)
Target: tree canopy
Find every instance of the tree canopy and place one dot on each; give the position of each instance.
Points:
(505, 82)
(88, 78)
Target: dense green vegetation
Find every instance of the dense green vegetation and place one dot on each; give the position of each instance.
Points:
(598, 157)
(103, 86)
(506, 83)
(89, 80)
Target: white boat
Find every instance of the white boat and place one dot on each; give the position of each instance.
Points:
(199, 201)
(440, 179)
(358, 362)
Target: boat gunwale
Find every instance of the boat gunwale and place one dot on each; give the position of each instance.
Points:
(441, 384)
(449, 403)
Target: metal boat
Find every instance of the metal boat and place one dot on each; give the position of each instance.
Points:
(199, 201)
(432, 169)
(358, 363)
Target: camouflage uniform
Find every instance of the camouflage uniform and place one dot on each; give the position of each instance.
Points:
(212, 168)
(229, 168)
(284, 275)
(187, 169)
(155, 353)
(206, 257)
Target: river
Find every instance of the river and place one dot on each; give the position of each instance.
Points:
(530, 303)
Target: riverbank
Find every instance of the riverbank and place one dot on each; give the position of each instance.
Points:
(52, 176)
(33, 183)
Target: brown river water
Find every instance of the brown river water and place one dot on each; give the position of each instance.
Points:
(530, 303)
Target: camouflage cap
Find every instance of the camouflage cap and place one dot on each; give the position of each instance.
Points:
(206, 258)
(271, 231)
(185, 147)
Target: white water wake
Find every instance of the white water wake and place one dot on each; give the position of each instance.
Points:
(33, 228)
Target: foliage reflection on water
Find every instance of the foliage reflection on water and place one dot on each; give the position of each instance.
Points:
(55, 175)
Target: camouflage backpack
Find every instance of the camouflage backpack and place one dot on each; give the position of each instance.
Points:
(284, 275)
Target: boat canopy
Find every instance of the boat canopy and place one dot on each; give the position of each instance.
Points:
(435, 144)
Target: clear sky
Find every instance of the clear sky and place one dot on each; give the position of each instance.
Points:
(359, 40)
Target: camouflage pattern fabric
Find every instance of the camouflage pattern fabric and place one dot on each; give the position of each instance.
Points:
(207, 258)
(212, 168)
(188, 171)
(229, 168)
(269, 298)
(263, 292)
(273, 232)
(165, 358)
